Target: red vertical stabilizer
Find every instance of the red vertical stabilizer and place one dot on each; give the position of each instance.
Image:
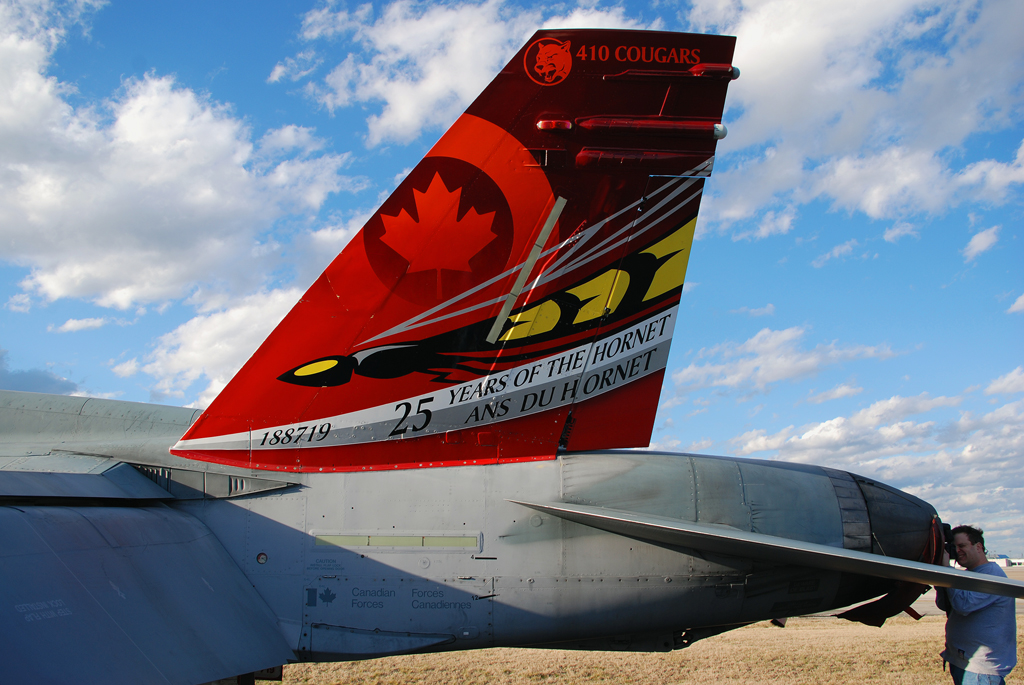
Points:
(517, 292)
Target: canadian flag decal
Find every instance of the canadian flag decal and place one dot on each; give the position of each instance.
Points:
(447, 228)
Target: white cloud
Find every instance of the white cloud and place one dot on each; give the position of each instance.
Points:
(841, 390)
(698, 446)
(413, 52)
(842, 250)
(768, 357)
(891, 182)
(767, 310)
(995, 177)
(898, 230)
(759, 441)
(126, 369)
(1016, 308)
(772, 223)
(72, 325)
(1012, 382)
(330, 239)
(673, 401)
(215, 345)
(295, 68)
(665, 445)
(21, 302)
(874, 432)
(859, 104)
(896, 407)
(138, 198)
(981, 241)
(289, 138)
(99, 395)
(324, 22)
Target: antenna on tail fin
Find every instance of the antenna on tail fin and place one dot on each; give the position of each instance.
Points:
(518, 292)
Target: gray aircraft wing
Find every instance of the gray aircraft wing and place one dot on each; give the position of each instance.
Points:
(100, 580)
(731, 541)
(71, 475)
(126, 595)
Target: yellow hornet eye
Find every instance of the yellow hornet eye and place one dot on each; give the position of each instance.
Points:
(316, 367)
(326, 372)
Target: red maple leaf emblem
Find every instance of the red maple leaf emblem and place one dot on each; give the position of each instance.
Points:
(438, 240)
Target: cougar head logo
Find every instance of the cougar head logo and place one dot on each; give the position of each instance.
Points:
(548, 61)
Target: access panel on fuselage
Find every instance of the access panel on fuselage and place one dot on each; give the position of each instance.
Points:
(406, 612)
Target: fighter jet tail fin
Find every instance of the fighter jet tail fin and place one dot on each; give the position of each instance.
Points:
(731, 541)
(517, 292)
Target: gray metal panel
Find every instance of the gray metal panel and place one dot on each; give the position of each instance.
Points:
(125, 595)
(200, 484)
(119, 481)
(900, 522)
(661, 484)
(338, 643)
(725, 540)
(53, 426)
(720, 496)
(853, 509)
(32, 414)
(57, 462)
(37, 424)
(636, 481)
(796, 505)
(405, 612)
(271, 530)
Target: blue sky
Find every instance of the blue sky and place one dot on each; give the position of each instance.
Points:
(174, 175)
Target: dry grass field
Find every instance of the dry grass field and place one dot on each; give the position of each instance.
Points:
(816, 649)
(807, 650)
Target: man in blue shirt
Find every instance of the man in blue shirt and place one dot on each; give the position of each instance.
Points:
(981, 630)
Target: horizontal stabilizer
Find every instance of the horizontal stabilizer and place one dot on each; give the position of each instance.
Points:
(730, 541)
(67, 477)
(88, 476)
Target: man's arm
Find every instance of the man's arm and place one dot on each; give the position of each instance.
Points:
(966, 602)
(963, 602)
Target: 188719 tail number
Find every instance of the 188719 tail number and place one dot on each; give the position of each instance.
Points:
(287, 436)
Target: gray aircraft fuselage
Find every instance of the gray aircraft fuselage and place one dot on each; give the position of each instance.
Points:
(364, 564)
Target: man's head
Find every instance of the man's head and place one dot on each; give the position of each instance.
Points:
(970, 547)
